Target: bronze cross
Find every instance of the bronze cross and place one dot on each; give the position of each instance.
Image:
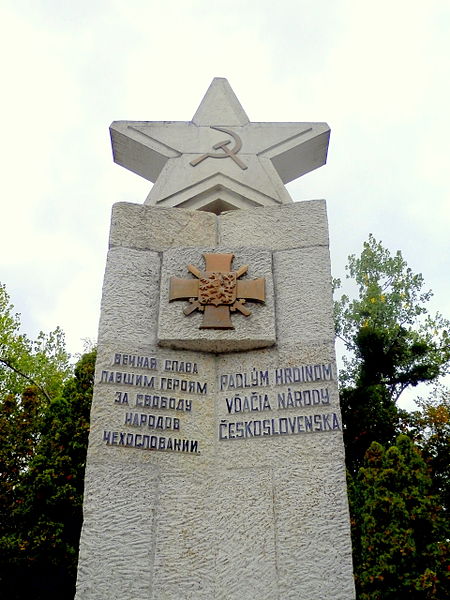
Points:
(217, 291)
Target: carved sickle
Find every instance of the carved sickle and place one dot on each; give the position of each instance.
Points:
(237, 142)
(223, 146)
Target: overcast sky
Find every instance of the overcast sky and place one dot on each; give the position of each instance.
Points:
(377, 72)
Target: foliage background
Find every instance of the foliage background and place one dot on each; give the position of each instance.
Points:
(44, 425)
(397, 461)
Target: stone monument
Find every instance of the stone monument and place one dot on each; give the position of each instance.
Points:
(216, 463)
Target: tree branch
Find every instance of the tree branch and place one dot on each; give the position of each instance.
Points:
(8, 364)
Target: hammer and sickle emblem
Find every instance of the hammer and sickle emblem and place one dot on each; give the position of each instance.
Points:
(227, 153)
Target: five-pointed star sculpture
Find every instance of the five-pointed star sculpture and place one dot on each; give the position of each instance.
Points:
(219, 160)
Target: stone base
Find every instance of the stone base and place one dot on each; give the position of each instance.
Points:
(216, 475)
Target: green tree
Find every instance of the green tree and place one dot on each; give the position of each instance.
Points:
(44, 424)
(398, 498)
(430, 428)
(392, 343)
(42, 363)
(402, 539)
(39, 548)
(31, 373)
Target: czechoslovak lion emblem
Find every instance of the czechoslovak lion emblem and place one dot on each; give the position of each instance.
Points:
(216, 292)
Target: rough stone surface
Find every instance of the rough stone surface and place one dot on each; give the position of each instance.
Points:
(130, 292)
(116, 518)
(238, 518)
(304, 303)
(135, 226)
(300, 225)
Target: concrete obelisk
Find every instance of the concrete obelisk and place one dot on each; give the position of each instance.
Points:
(216, 463)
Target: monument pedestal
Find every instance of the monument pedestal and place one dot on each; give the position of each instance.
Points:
(216, 463)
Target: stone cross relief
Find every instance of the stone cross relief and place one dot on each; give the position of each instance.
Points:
(217, 291)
